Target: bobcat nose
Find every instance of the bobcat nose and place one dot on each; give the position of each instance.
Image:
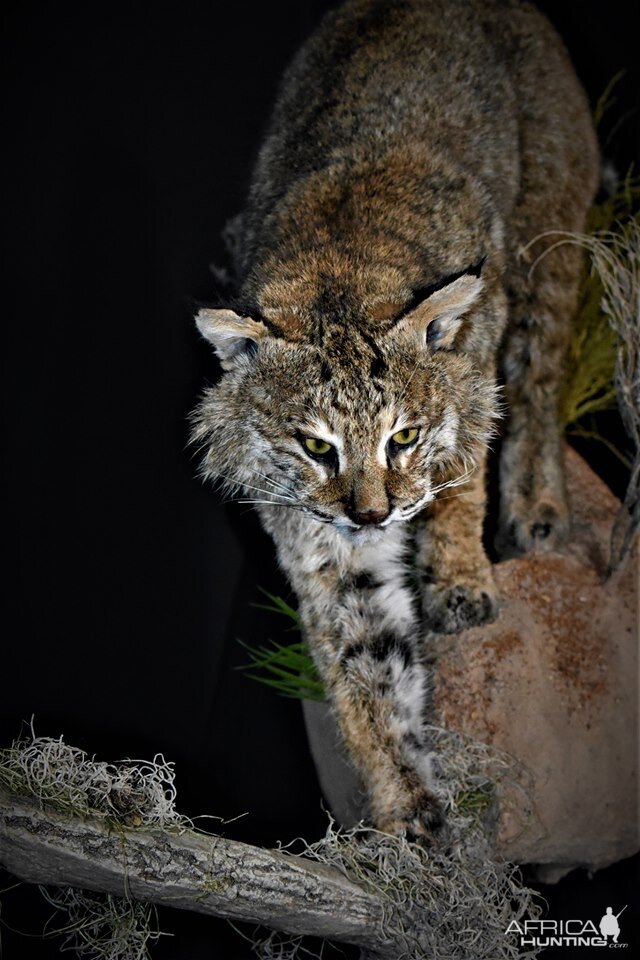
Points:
(368, 503)
(367, 516)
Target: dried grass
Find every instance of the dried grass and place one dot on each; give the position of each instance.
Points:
(133, 793)
(101, 926)
(607, 351)
(450, 900)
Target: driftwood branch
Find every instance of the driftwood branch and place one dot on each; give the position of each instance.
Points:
(189, 871)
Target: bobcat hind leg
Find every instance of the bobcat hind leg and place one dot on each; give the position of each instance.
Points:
(534, 511)
(559, 173)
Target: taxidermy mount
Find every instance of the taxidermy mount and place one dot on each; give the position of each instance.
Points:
(385, 326)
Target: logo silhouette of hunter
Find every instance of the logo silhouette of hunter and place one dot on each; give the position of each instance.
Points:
(609, 925)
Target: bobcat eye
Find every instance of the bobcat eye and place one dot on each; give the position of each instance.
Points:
(404, 438)
(317, 448)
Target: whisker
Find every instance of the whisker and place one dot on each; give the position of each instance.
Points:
(456, 482)
(269, 493)
(410, 512)
(275, 483)
(248, 486)
(465, 493)
(307, 511)
(271, 503)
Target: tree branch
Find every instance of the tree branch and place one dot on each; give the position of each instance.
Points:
(190, 871)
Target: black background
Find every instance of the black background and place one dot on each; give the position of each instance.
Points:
(129, 137)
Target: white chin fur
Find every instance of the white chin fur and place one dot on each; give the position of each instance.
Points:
(359, 535)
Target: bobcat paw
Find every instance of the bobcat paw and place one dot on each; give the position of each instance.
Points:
(538, 527)
(419, 819)
(452, 608)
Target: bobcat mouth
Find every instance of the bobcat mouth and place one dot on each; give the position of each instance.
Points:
(319, 516)
(408, 513)
(353, 525)
(360, 534)
(351, 528)
(365, 531)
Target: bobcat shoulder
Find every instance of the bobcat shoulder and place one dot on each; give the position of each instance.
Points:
(415, 148)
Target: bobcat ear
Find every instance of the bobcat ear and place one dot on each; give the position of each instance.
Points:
(435, 314)
(230, 334)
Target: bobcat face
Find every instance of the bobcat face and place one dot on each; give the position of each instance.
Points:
(351, 452)
(358, 429)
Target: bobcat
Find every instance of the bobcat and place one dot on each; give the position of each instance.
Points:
(415, 147)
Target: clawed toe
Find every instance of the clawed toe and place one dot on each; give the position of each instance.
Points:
(427, 826)
(539, 528)
(457, 608)
(422, 821)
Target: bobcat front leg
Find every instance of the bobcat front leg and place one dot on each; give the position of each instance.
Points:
(458, 589)
(362, 630)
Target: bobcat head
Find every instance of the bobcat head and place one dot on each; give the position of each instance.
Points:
(356, 417)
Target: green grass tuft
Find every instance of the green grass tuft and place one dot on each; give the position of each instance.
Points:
(278, 605)
(287, 668)
(476, 801)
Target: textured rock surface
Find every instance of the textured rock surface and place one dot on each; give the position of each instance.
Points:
(554, 683)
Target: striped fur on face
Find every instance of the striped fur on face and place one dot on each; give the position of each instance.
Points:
(355, 393)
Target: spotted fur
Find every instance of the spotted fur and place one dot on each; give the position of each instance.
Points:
(416, 146)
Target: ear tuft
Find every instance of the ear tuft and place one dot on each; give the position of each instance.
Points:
(230, 334)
